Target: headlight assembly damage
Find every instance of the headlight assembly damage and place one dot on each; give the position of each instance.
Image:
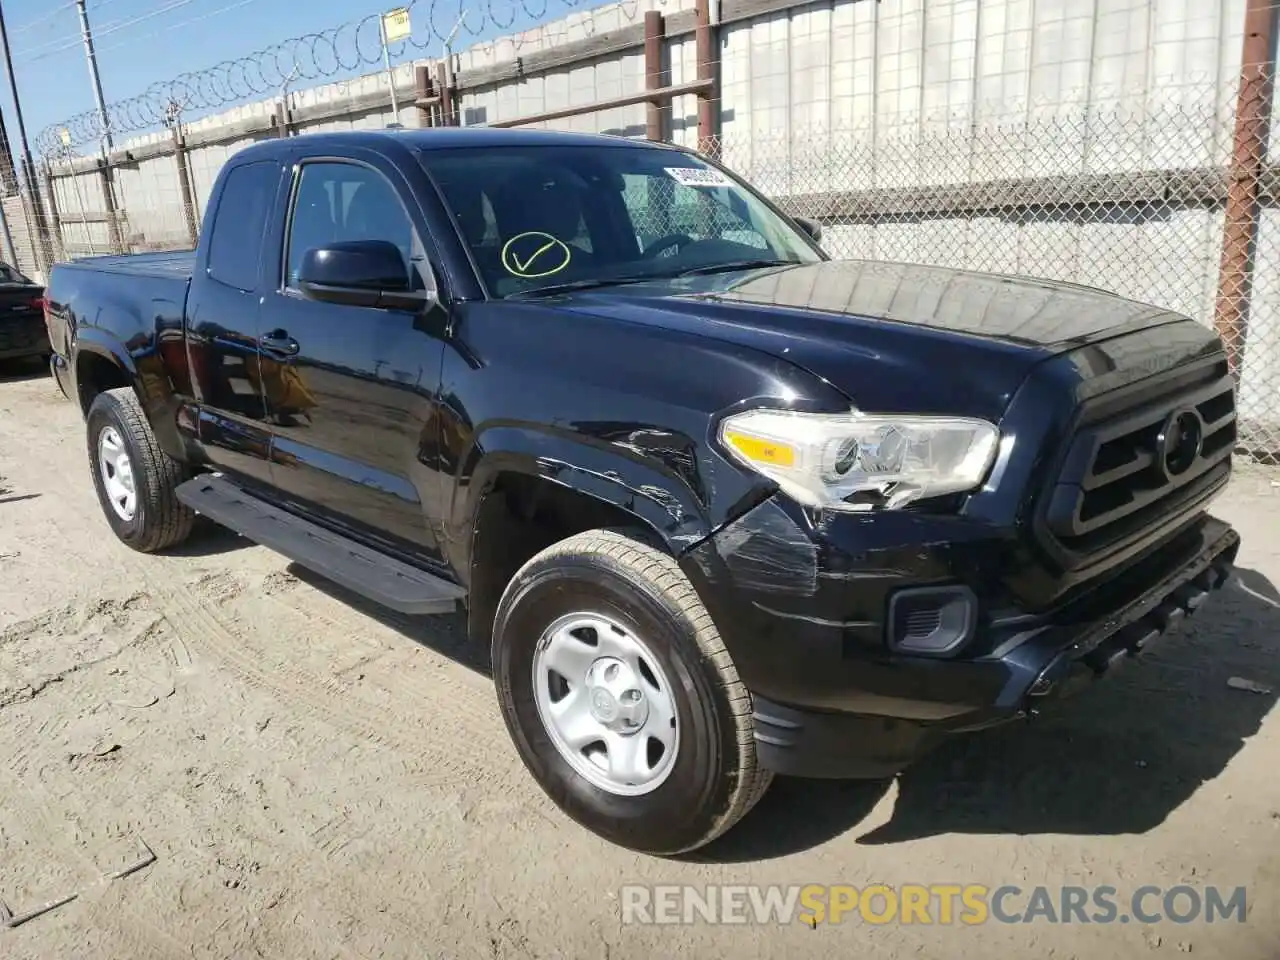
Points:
(855, 461)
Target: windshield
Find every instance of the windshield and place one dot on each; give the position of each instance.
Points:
(540, 217)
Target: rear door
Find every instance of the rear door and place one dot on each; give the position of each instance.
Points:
(223, 322)
(352, 390)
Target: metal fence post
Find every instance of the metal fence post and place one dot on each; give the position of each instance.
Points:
(446, 93)
(184, 186)
(1240, 227)
(708, 69)
(108, 196)
(422, 93)
(654, 31)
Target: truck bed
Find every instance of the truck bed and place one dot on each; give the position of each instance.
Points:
(169, 264)
(131, 294)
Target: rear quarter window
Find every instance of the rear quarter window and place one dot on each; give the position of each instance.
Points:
(239, 225)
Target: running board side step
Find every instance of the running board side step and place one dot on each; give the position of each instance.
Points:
(365, 571)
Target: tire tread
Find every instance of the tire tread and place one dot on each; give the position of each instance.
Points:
(169, 520)
(635, 558)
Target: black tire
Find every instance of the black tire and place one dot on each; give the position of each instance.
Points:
(159, 520)
(715, 779)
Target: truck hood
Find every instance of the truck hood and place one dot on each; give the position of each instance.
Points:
(895, 338)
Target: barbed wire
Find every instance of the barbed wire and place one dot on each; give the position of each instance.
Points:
(335, 53)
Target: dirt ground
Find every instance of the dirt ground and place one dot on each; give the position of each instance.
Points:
(319, 778)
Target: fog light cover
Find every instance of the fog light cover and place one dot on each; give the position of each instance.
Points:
(931, 621)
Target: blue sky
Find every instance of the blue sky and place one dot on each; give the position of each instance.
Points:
(142, 41)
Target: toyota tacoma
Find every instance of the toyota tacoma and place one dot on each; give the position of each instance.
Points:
(720, 506)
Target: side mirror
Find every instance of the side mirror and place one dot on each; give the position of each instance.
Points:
(359, 273)
(812, 227)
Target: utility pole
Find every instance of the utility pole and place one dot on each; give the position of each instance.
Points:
(29, 171)
(28, 164)
(92, 58)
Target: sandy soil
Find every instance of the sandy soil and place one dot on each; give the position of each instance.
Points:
(318, 778)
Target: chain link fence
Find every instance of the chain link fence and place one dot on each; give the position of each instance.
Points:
(1160, 198)
(1162, 202)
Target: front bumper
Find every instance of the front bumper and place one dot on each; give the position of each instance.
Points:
(832, 700)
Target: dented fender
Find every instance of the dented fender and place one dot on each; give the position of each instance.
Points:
(651, 475)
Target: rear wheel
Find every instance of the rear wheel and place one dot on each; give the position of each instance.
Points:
(135, 479)
(620, 696)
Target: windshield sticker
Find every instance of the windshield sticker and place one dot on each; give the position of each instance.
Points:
(533, 254)
(696, 177)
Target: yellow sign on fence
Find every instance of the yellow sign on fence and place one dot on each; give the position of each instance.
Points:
(395, 25)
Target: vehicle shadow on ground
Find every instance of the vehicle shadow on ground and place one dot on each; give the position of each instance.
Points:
(1117, 759)
(19, 371)
(446, 634)
(209, 540)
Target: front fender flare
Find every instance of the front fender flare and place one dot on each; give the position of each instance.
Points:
(642, 486)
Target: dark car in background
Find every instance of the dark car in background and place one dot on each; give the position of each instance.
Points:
(23, 333)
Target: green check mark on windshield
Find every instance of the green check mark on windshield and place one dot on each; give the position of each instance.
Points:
(522, 267)
(519, 266)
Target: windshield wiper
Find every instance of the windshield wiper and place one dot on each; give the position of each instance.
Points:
(554, 288)
(735, 265)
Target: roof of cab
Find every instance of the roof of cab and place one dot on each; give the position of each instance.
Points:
(443, 138)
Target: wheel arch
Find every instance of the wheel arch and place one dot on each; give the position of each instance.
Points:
(102, 363)
(520, 513)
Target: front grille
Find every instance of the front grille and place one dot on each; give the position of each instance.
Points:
(1143, 464)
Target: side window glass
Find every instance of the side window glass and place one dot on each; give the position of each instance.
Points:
(235, 243)
(337, 202)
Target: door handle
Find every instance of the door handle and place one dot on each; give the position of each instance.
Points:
(278, 341)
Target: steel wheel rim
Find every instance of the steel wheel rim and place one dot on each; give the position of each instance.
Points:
(606, 704)
(117, 474)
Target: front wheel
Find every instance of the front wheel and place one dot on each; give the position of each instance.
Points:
(136, 480)
(620, 696)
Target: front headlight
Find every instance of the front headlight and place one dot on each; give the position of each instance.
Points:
(856, 461)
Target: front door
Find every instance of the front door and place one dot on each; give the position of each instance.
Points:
(350, 389)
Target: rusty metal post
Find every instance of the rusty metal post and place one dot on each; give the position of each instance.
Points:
(1248, 156)
(108, 197)
(422, 93)
(447, 95)
(184, 187)
(55, 219)
(283, 117)
(654, 31)
(704, 46)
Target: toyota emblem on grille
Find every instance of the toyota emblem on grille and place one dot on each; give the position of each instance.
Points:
(1179, 442)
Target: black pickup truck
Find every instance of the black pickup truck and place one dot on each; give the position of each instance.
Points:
(721, 506)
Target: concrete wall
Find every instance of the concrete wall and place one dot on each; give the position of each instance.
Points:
(870, 98)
